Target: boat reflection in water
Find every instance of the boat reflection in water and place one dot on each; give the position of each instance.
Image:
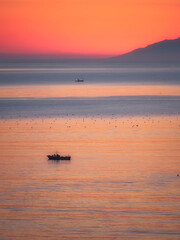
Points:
(58, 157)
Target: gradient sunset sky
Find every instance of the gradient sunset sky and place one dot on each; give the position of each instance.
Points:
(89, 27)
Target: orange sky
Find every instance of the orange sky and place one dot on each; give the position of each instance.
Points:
(106, 27)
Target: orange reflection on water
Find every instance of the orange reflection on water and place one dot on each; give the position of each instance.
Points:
(86, 90)
(85, 135)
(122, 177)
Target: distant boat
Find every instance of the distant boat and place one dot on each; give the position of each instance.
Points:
(79, 80)
(58, 157)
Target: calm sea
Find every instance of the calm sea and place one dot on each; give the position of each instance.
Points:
(121, 127)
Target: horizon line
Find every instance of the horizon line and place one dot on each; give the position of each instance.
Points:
(66, 56)
(53, 56)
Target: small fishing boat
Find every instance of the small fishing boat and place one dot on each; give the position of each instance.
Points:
(79, 80)
(58, 157)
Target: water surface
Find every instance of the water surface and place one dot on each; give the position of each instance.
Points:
(122, 129)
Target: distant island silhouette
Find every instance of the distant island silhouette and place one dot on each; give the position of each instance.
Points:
(164, 51)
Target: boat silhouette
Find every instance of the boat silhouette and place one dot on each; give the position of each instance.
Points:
(58, 157)
(79, 80)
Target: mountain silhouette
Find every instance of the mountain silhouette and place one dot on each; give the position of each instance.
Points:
(164, 51)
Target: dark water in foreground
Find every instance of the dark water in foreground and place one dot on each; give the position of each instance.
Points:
(124, 139)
